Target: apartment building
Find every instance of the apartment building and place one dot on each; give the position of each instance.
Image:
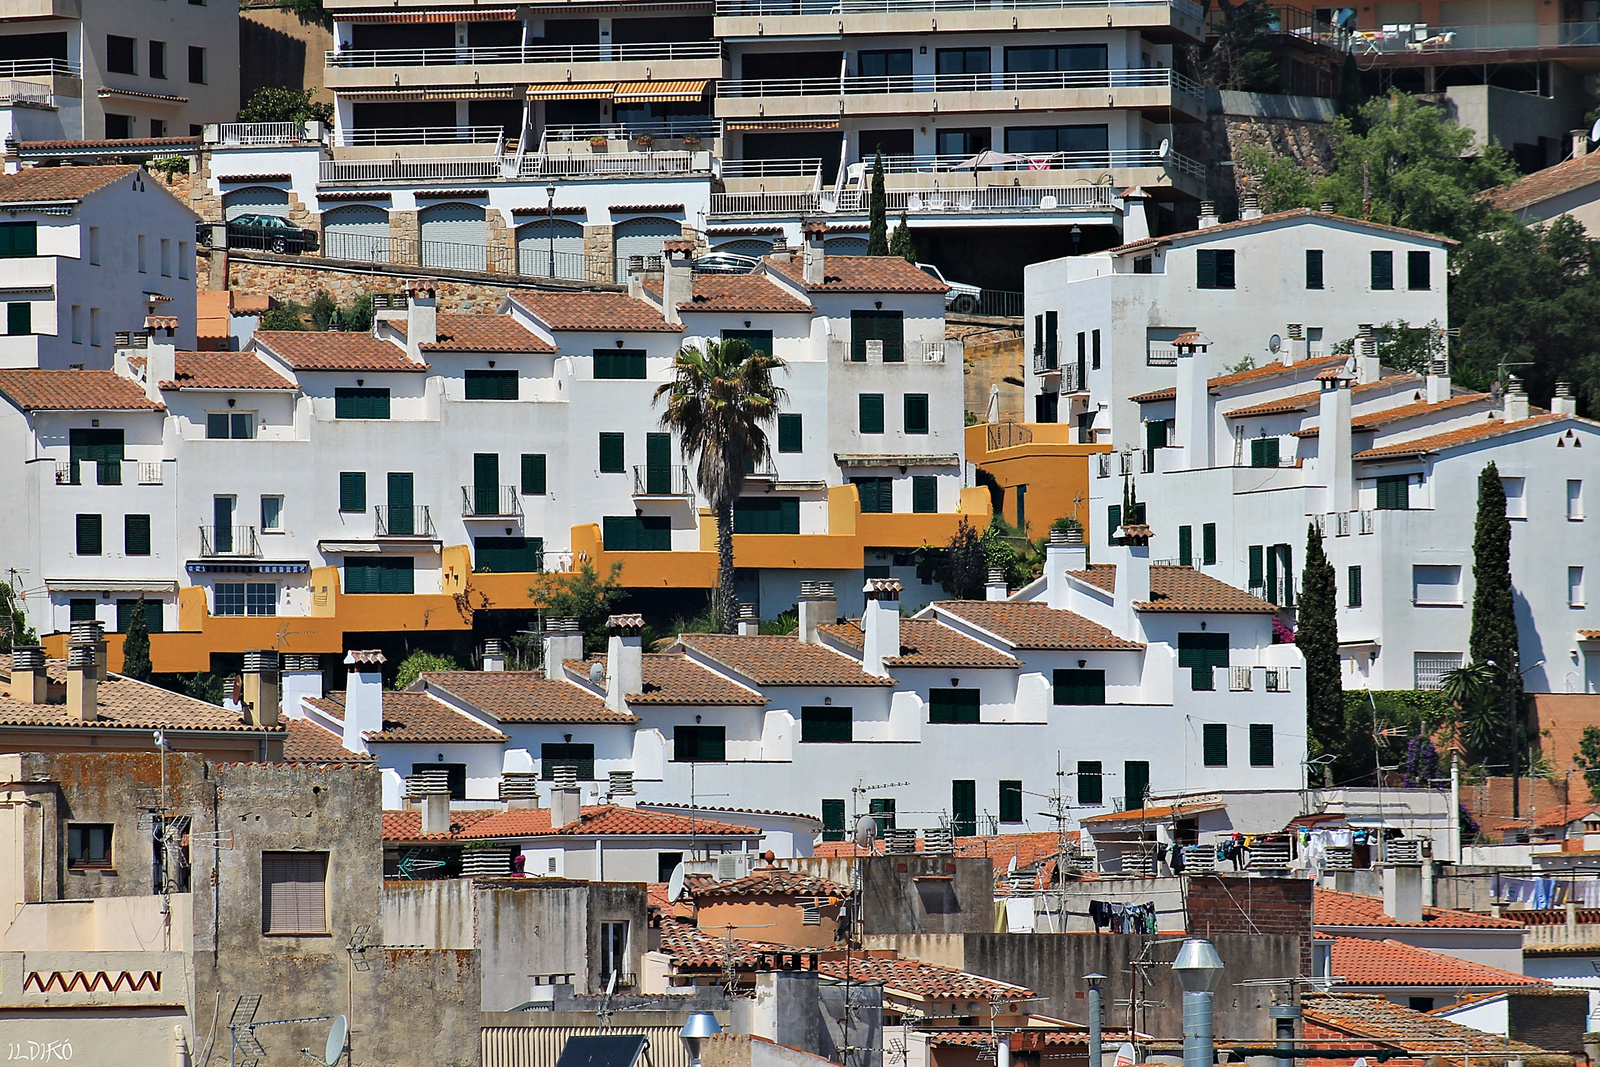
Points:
(118, 69)
(86, 254)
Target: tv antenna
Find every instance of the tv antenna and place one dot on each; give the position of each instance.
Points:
(604, 1014)
(245, 1049)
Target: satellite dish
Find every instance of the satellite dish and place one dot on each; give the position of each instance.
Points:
(1594, 131)
(1362, 1062)
(675, 885)
(1166, 147)
(1011, 868)
(1275, 343)
(1127, 1056)
(597, 673)
(866, 831)
(337, 1033)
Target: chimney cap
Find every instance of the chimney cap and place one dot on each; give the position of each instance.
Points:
(814, 227)
(882, 589)
(997, 576)
(260, 660)
(365, 657)
(80, 658)
(422, 285)
(748, 611)
(1563, 389)
(678, 244)
(27, 658)
(625, 622)
(1192, 339)
(561, 624)
(816, 590)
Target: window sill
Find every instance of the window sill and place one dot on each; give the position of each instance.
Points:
(294, 933)
(1438, 604)
(90, 868)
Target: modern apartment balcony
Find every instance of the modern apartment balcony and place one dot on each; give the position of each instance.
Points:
(668, 134)
(671, 480)
(108, 472)
(955, 202)
(1420, 44)
(390, 166)
(240, 541)
(412, 521)
(1165, 21)
(424, 67)
(258, 134)
(490, 502)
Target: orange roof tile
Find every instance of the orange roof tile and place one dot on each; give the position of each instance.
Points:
(480, 333)
(224, 370)
(772, 882)
(46, 184)
(609, 312)
(525, 696)
(614, 819)
(926, 980)
(123, 703)
(1162, 811)
(737, 292)
(780, 660)
(1376, 1018)
(1180, 589)
(1333, 908)
(1563, 815)
(1306, 401)
(1542, 185)
(310, 742)
(212, 318)
(1358, 961)
(418, 717)
(1466, 435)
(1156, 395)
(1277, 216)
(1306, 367)
(1033, 624)
(407, 825)
(673, 678)
(927, 643)
(312, 351)
(861, 274)
(1372, 420)
(73, 390)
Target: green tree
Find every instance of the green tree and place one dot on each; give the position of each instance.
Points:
(1242, 51)
(1492, 641)
(581, 594)
(965, 566)
(14, 628)
(273, 104)
(324, 312)
(136, 646)
(1588, 757)
(878, 212)
(358, 316)
(718, 403)
(1317, 636)
(284, 317)
(418, 662)
(900, 243)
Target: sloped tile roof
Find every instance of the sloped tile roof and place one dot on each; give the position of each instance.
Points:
(416, 717)
(926, 980)
(1156, 395)
(1028, 849)
(1277, 216)
(224, 370)
(614, 819)
(776, 882)
(407, 825)
(1360, 962)
(1542, 185)
(694, 949)
(517, 822)
(1181, 589)
(525, 696)
(861, 274)
(44, 184)
(1032, 624)
(737, 292)
(780, 660)
(673, 678)
(1372, 420)
(1333, 908)
(609, 312)
(312, 351)
(310, 742)
(1162, 811)
(927, 643)
(480, 333)
(1466, 435)
(1563, 815)
(1309, 400)
(123, 703)
(1306, 367)
(1371, 1016)
(73, 390)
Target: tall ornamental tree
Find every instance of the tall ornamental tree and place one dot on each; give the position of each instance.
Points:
(1317, 636)
(1493, 639)
(878, 212)
(136, 646)
(718, 403)
(900, 242)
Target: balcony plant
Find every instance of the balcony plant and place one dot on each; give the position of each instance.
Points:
(691, 140)
(598, 142)
(646, 141)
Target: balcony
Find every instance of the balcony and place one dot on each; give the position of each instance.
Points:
(1035, 165)
(229, 541)
(1008, 435)
(497, 66)
(39, 68)
(671, 480)
(1239, 679)
(1278, 590)
(420, 135)
(1416, 42)
(490, 501)
(1161, 20)
(986, 200)
(413, 521)
(28, 94)
(1047, 365)
(1161, 356)
(258, 134)
(627, 132)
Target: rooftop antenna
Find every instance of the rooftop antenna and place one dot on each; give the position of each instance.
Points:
(245, 1049)
(604, 1014)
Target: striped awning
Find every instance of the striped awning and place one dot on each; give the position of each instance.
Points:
(442, 92)
(499, 14)
(775, 125)
(246, 568)
(572, 91)
(661, 92)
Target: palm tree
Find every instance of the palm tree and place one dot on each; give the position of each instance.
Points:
(718, 402)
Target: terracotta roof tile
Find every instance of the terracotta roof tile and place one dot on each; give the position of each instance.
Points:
(224, 370)
(1466, 435)
(927, 643)
(926, 980)
(525, 696)
(407, 825)
(1029, 850)
(694, 949)
(736, 292)
(44, 184)
(1358, 961)
(610, 312)
(648, 805)
(673, 678)
(614, 819)
(1372, 420)
(1032, 624)
(1156, 395)
(861, 274)
(123, 703)
(775, 882)
(517, 822)
(1277, 216)
(1563, 815)
(73, 390)
(310, 742)
(480, 333)
(1333, 908)
(1380, 1020)
(1180, 589)
(128, 143)
(1162, 811)
(1306, 368)
(1551, 182)
(313, 351)
(416, 717)
(780, 660)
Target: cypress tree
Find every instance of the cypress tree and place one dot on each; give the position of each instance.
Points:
(136, 646)
(1494, 618)
(1317, 636)
(900, 244)
(878, 212)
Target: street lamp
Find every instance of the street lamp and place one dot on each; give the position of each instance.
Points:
(550, 224)
(1093, 981)
(1198, 969)
(700, 1025)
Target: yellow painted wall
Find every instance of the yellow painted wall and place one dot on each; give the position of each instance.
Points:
(1055, 470)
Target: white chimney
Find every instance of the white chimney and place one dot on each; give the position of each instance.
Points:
(1333, 443)
(1065, 553)
(160, 365)
(261, 687)
(1208, 214)
(300, 678)
(29, 683)
(995, 588)
(1132, 558)
(363, 697)
(749, 621)
(422, 318)
(1135, 220)
(436, 812)
(818, 606)
(1580, 143)
(624, 660)
(1402, 893)
(1563, 403)
(494, 656)
(1516, 400)
(677, 276)
(1192, 409)
(1297, 347)
(1438, 381)
(814, 263)
(83, 703)
(563, 642)
(566, 800)
(1249, 205)
(880, 625)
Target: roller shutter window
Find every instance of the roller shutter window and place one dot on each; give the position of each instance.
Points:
(748, 246)
(454, 237)
(1091, 782)
(534, 246)
(1261, 744)
(1214, 744)
(639, 242)
(844, 246)
(255, 200)
(136, 535)
(89, 535)
(359, 232)
(294, 893)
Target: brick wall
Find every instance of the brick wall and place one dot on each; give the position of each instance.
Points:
(1549, 1019)
(1222, 905)
(1322, 1035)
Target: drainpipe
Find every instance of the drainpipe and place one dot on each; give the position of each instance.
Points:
(1096, 1052)
(1198, 969)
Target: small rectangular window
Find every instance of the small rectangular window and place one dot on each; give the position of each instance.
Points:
(916, 413)
(1264, 452)
(152, 615)
(766, 515)
(1313, 268)
(1094, 349)
(964, 807)
(1186, 546)
(227, 598)
(158, 59)
(77, 324)
(197, 65)
(1077, 686)
(1435, 584)
(166, 257)
(118, 127)
(491, 385)
(953, 706)
(1394, 492)
(1202, 652)
(870, 412)
(89, 846)
(121, 55)
(577, 755)
(825, 723)
(620, 363)
(699, 744)
(887, 327)
(1214, 268)
(882, 811)
(1418, 271)
(1208, 543)
(1135, 784)
(1575, 597)
(18, 239)
(1091, 782)
(1516, 497)
(612, 453)
(294, 893)
(184, 262)
(158, 127)
(360, 403)
(81, 609)
(1144, 265)
(1352, 583)
(833, 820)
(790, 435)
(508, 555)
(534, 482)
(136, 535)
(230, 425)
(1575, 499)
(1383, 270)
(1429, 668)
(89, 535)
(1261, 744)
(924, 494)
(352, 491)
(272, 514)
(395, 575)
(144, 255)
(636, 533)
(94, 246)
(1214, 744)
(1010, 801)
(19, 319)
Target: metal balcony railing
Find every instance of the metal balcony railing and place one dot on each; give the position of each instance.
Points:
(1422, 38)
(467, 168)
(984, 200)
(547, 53)
(639, 164)
(736, 8)
(1008, 81)
(1008, 435)
(1276, 680)
(37, 68)
(1279, 591)
(1071, 374)
(667, 128)
(1366, 522)
(770, 168)
(1039, 161)
(82, 471)
(260, 133)
(490, 500)
(151, 473)
(25, 92)
(1239, 679)
(421, 135)
(229, 541)
(413, 521)
(670, 480)
(1103, 463)
(1161, 356)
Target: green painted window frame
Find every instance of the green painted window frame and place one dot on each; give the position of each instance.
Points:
(886, 326)
(826, 724)
(699, 744)
(1314, 268)
(102, 447)
(90, 531)
(1113, 520)
(1091, 782)
(758, 340)
(18, 239)
(766, 515)
(491, 385)
(1202, 651)
(1382, 270)
(869, 413)
(876, 493)
(1214, 744)
(1214, 268)
(915, 413)
(576, 754)
(1186, 546)
(1075, 685)
(392, 575)
(136, 535)
(1394, 492)
(507, 555)
(791, 432)
(924, 494)
(534, 474)
(1261, 754)
(1352, 587)
(1135, 783)
(1264, 452)
(955, 705)
(619, 364)
(882, 811)
(19, 319)
(1208, 543)
(1010, 800)
(833, 819)
(363, 403)
(352, 491)
(636, 533)
(613, 453)
(964, 807)
(152, 615)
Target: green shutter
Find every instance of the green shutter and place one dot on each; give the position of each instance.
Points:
(924, 494)
(379, 575)
(1136, 783)
(402, 519)
(533, 474)
(1417, 271)
(758, 340)
(1313, 268)
(1202, 652)
(766, 515)
(136, 535)
(1186, 546)
(508, 555)
(825, 723)
(790, 435)
(916, 413)
(1010, 801)
(1052, 334)
(491, 385)
(1214, 744)
(833, 820)
(1353, 587)
(699, 744)
(1074, 686)
(578, 756)
(885, 326)
(1383, 270)
(956, 706)
(89, 527)
(103, 448)
(964, 808)
(1225, 277)
(82, 609)
(19, 239)
(1261, 744)
(611, 453)
(1113, 520)
(19, 319)
(1205, 269)
(1264, 452)
(352, 491)
(1394, 492)
(636, 533)
(658, 463)
(877, 495)
(361, 403)
(152, 615)
(870, 412)
(882, 811)
(619, 363)
(1257, 564)
(1091, 782)
(1208, 543)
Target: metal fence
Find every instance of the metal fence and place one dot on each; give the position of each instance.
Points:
(408, 135)
(628, 131)
(490, 500)
(1008, 81)
(39, 68)
(592, 165)
(229, 541)
(413, 521)
(546, 53)
(735, 8)
(469, 168)
(669, 480)
(260, 133)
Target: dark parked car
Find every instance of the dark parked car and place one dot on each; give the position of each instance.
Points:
(270, 233)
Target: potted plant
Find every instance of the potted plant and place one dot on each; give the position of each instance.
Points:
(691, 140)
(597, 142)
(645, 141)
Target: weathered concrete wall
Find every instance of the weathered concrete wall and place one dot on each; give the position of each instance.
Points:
(919, 893)
(109, 1038)
(994, 357)
(1307, 141)
(434, 914)
(748, 1050)
(416, 1008)
(278, 47)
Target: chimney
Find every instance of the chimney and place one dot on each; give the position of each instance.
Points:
(1297, 347)
(1563, 403)
(749, 621)
(1065, 552)
(995, 588)
(1402, 893)
(160, 365)
(817, 607)
(1329, 207)
(814, 261)
(1208, 214)
(781, 252)
(1135, 220)
(261, 687)
(301, 677)
(13, 155)
(90, 633)
(624, 660)
(1515, 407)
(83, 704)
(422, 317)
(1438, 380)
(494, 656)
(1333, 442)
(1368, 367)
(677, 278)
(1133, 576)
(1250, 205)
(566, 801)
(1192, 409)
(880, 625)
(563, 642)
(432, 787)
(363, 697)
(1580, 143)
(29, 683)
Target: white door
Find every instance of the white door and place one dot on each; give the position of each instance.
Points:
(359, 232)
(453, 236)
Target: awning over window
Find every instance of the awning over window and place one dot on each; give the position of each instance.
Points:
(776, 125)
(500, 14)
(661, 92)
(572, 91)
(444, 92)
(247, 568)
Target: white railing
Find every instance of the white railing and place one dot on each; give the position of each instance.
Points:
(421, 135)
(1277, 679)
(1037, 161)
(150, 473)
(471, 168)
(549, 53)
(260, 133)
(629, 131)
(735, 8)
(770, 168)
(852, 85)
(1102, 465)
(1423, 38)
(639, 164)
(15, 92)
(727, 205)
(934, 351)
(1239, 679)
(1161, 356)
(1366, 522)
(39, 68)
(985, 200)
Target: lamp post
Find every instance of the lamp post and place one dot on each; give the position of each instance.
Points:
(550, 224)
(1096, 1055)
(700, 1025)
(1198, 969)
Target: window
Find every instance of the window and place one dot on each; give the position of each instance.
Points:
(152, 614)
(666, 863)
(870, 412)
(1091, 783)
(89, 846)
(1429, 668)
(963, 60)
(1575, 587)
(964, 808)
(121, 57)
(825, 723)
(758, 340)
(790, 437)
(94, 246)
(578, 756)
(1144, 265)
(1516, 497)
(166, 257)
(136, 535)
(533, 474)
(1202, 652)
(885, 64)
(1135, 784)
(614, 948)
(19, 319)
(1435, 584)
(492, 385)
(916, 413)
(877, 495)
(294, 893)
(637, 533)
(1383, 270)
(766, 515)
(699, 744)
(183, 260)
(1208, 543)
(455, 776)
(258, 599)
(619, 363)
(508, 555)
(612, 453)
(1051, 58)
(379, 575)
(1074, 686)
(77, 324)
(1313, 268)
(361, 403)
(1022, 508)
(118, 127)
(1417, 271)
(882, 811)
(97, 336)
(833, 820)
(1264, 452)
(352, 491)
(1010, 801)
(1419, 1003)
(158, 59)
(88, 535)
(144, 257)
(1261, 744)
(1186, 546)
(1575, 499)
(230, 425)
(924, 494)
(1094, 345)
(885, 326)
(953, 705)
(1052, 339)
(197, 65)
(1113, 521)
(272, 513)
(1394, 492)
(1213, 268)
(1214, 744)
(18, 239)
(1352, 587)
(962, 142)
(1087, 140)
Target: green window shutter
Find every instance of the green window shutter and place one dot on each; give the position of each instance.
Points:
(766, 515)
(1208, 543)
(870, 412)
(825, 723)
(1074, 686)
(1257, 566)
(152, 615)
(656, 534)
(924, 494)
(19, 319)
(352, 491)
(553, 754)
(1091, 782)
(1186, 546)
(19, 239)
(916, 413)
(491, 385)
(82, 609)
(956, 706)
(619, 363)
(1010, 801)
(758, 340)
(1353, 587)
(485, 483)
(533, 474)
(882, 811)
(877, 495)
(1214, 744)
(1202, 652)
(658, 463)
(699, 744)
(508, 555)
(1383, 270)
(1418, 271)
(833, 820)
(1052, 357)
(885, 326)
(1094, 337)
(1225, 278)
(380, 575)
(136, 535)
(1264, 452)
(361, 403)
(1136, 783)
(1394, 492)
(1205, 269)
(402, 519)
(611, 453)
(790, 435)
(1113, 520)
(1313, 268)
(89, 527)
(964, 808)
(1261, 744)
(103, 448)
(620, 533)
